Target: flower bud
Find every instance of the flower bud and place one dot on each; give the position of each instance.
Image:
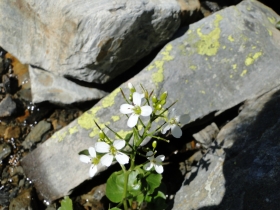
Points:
(154, 99)
(130, 86)
(146, 94)
(101, 135)
(162, 102)
(158, 107)
(154, 144)
(163, 96)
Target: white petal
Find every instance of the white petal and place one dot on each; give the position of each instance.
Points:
(92, 152)
(122, 158)
(142, 95)
(165, 128)
(160, 158)
(132, 120)
(119, 144)
(149, 154)
(85, 159)
(102, 147)
(176, 131)
(107, 160)
(146, 111)
(184, 118)
(126, 109)
(137, 98)
(159, 168)
(92, 170)
(148, 166)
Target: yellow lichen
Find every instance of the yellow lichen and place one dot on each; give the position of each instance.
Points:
(122, 133)
(231, 76)
(86, 121)
(224, 47)
(150, 67)
(209, 43)
(187, 81)
(234, 66)
(110, 99)
(60, 137)
(243, 73)
(230, 38)
(73, 130)
(158, 76)
(193, 67)
(115, 118)
(252, 58)
(254, 47)
(202, 91)
(269, 32)
(272, 20)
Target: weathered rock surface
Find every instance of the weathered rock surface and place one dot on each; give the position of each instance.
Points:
(36, 134)
(7, 106)
(241, 169)
(90, 40)
(46, 86)
(219, 62)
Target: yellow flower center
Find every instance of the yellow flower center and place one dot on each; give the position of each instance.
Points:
(113, 150)
(95, 161)
(137, 110)
(173, 121)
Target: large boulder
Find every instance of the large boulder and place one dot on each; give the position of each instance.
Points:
(87, 40)
(241, 168)
(216, 64)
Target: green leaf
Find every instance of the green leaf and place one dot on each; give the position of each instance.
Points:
(115, 187)
(66, 204)
(115, 208)
(84, 152)
(153, 181)
(128, 136)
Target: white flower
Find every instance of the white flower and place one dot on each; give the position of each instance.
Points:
(112, 152)
(174, 123)
(154, 162)
(135, 110)
(92, 159)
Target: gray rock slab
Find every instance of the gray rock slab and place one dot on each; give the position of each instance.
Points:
(46, 86)
(36, 134)
(7, 106)
(93, 41)
(218, 63)
(241, 169)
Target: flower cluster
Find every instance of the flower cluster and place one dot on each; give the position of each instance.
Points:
(105, 151)
(111, 151)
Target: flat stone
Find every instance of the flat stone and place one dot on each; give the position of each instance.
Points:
(46, 86)
(246, 173)
(217, 63)
(93, 41)
(36, 134)
(7, 106)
